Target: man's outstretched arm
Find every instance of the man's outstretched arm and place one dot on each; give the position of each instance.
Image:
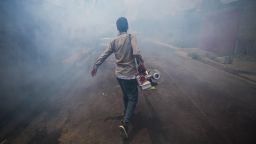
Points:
(101, 59)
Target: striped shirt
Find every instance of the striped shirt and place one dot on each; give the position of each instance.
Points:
(124, 46)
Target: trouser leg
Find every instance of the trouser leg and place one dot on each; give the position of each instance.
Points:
(130, 91)
(124, 91)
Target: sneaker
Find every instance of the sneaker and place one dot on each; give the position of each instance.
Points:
(124, 130)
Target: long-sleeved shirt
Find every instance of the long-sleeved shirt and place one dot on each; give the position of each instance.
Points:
(124, 47)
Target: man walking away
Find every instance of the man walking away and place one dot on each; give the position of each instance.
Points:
(126, 50)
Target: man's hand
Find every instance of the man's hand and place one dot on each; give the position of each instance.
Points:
(94, 70)
(142, 69)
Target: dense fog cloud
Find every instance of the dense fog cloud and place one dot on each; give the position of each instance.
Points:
(39, 33)
(53, 26)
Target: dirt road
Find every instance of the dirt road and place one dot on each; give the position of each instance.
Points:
(193, 104)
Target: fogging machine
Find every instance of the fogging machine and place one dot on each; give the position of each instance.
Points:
(147, 80)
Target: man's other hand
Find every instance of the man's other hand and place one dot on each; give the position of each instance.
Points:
(142, 69)
(94, 71)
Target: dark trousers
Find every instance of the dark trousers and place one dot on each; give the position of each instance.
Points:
(130, 97)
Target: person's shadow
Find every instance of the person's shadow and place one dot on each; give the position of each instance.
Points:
(138, 123)
(141, 121)
(149, 120)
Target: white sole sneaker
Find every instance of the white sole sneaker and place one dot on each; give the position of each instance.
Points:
(123, 131)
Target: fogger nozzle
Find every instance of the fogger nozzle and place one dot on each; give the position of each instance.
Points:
(155, 74)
